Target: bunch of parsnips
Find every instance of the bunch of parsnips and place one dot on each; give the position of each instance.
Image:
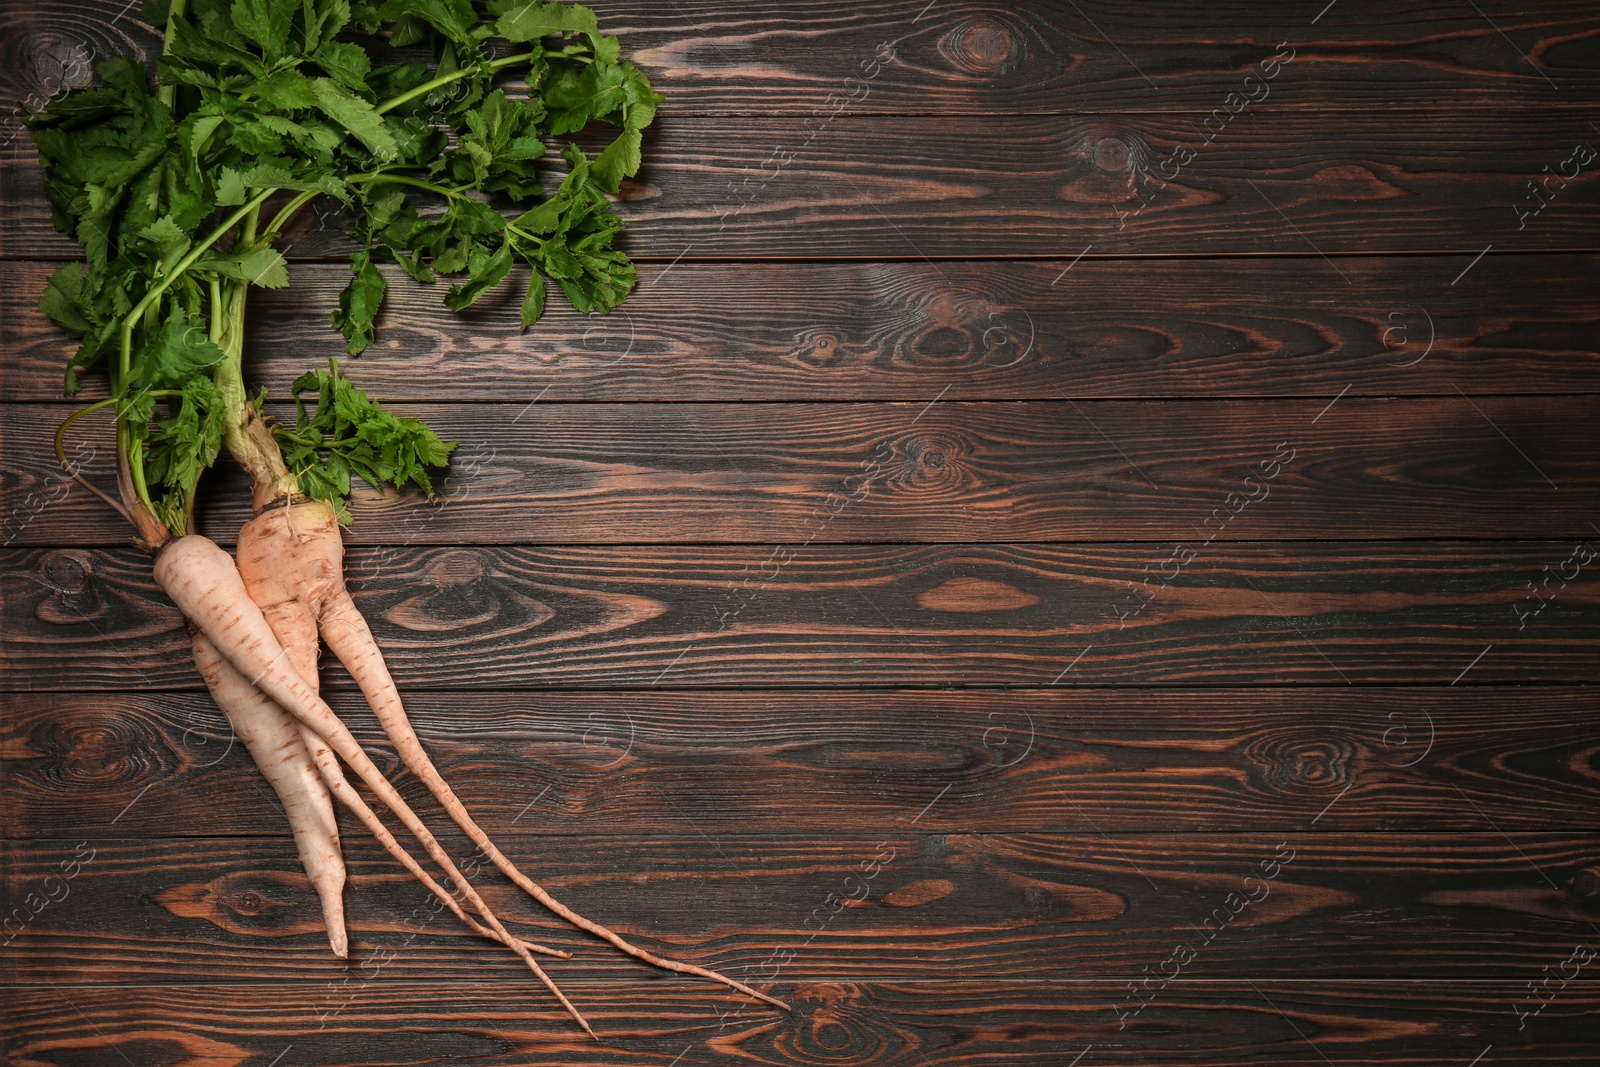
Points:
(177, 192)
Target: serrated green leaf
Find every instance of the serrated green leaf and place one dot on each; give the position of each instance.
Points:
(348, 64)
(359, 303)
(559, 263)
(641, 99)
(487, 270)
(409, 30)
(166, 240)
(474, 217)
(452, 260)
(266, 23)
(288, 90)
(264, 267)
(323, 20)
(315, 138)
(620, 160)
(455, 19)
(231, 190)
(365, 16)
(384, 203)
(413, 265)
(543, 218)
(201, 128)
(606, 49)
(535, 20)
(351, 433)
(186, 442)
(533, 303)
(174, 354)
(66, 299)
(191, 42)
(357, 116)
(174, 70)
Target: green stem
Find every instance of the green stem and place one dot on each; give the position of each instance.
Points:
(182, 265)
(137, 471)
(61, 456)
(229, 374)
(216, 311)
(282, 218)
(247, 232)
(279, 431)
(453, 76)
(441, 190)
(167, 92)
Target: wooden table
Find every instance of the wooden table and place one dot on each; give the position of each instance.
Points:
(1079, 551)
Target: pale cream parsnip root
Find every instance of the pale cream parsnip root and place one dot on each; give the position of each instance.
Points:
(295, 553)
(203, 581)
(273, 739)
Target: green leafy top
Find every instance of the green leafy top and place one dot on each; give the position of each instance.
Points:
(264, 99)
(350, 433)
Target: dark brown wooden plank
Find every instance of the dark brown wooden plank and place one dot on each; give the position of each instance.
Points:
(1061, 760)
(1267, 1023)
(1326, 905)
(1037, 56)
(1330, 468)
(848, 616)
(914, 331)
(960, 56)
(1288, 183)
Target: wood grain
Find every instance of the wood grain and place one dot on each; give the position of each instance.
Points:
(916, 331)
(162, 765)
(850, 616)
(1033, 57)
(1326, 468)
(811, 627)
(1266, 1023)
(1036, 56)
(871, 187)
(1326, 905)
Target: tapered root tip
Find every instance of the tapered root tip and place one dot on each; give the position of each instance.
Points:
(534, 946)
(571, 1009)
(333, 918)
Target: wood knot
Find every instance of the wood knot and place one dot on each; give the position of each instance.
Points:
(1112, 154)
(983, 46)
(818, 348)
(1295, 764)
(971, 330)
(975, 595)
(55, 63)
(67, 573)
(251, 903)
(937, 461)
(460, 597)
(838, 1026)
(73, 596)
(1586, 885)
(455, 569)
(98, 752)
(919, 893)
